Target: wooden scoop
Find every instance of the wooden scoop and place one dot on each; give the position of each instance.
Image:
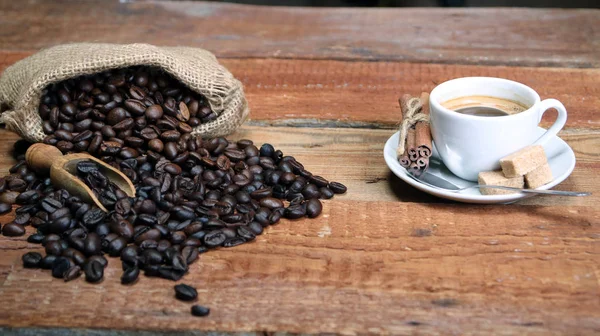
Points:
(49, 160)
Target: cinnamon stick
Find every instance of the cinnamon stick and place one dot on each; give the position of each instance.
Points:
(411, 141)
(402, 155)
(423, 132)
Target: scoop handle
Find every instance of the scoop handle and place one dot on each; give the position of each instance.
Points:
(40, 157)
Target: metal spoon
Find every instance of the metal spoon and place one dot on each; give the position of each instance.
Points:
(49, 160)
(437, 182)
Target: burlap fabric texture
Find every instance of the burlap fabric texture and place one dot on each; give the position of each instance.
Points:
(21, 84)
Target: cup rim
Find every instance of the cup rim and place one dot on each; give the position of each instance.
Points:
(438, 106)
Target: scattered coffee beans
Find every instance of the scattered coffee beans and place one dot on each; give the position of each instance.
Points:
(185, 292)
(198, 310)
(192, 194)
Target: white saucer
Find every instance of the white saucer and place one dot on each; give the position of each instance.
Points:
(560, 157)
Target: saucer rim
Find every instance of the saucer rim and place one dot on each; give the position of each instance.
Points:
(401, 172)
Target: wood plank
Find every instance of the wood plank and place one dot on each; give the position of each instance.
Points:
(509, 36)
(382, 259)
(364, 94)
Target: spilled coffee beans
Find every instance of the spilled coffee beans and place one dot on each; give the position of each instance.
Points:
(192, 194)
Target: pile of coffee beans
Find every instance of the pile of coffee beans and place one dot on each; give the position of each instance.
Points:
(192, 194)
(123, 113)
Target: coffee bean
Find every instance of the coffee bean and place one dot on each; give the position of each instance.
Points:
(13, 230)
(47, 261)
(130, 275)
(271, 203)
(232, 242)
(214, 238)
(72, 273)
(313, 208)
(311, 191)
(94, 271)
(116, 246)
(326, 193)
(185, 292)
(116, 115)
(337, 187)
(201, 311)
(267, 150)
(35, 238)
(31, 260)
(245, 233)
(295, 211)
(17, 184)
(5, 208)
(172, 168)
(99, 259)
(60, 267)
(154, 112)
(319, 181)
(190, 253)
(135, 106)
(124, 125)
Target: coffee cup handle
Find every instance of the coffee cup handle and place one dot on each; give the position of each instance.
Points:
(558, 124)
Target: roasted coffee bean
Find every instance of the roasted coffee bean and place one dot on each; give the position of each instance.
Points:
(232, 242)
(35, 238)
(74, 255)
(214, 238)
(201, 311)
(185, 292)
(256, 228)
(319, 181)
(261, 193)
(5, 208)
(54, 248)
(190, 254)
(72, 273)
(271, 203)
(245, 233)
(31, 260)
(337, 187)
(313, 208)
(295, 211)
(13, 230)
(116, 115)
(135, 106)
(151, 257)
(326, 193)
(100, 259)
(154, 112)
(275, 216)
(60, 267)
(47, 261)
(130, 275)
(267, 150)
(116, 246)
(17, 184)
(94, 271)
(311, 191)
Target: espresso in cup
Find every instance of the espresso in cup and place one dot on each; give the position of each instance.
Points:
(484, 106)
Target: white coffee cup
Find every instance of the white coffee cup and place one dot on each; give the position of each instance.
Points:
(471, 144)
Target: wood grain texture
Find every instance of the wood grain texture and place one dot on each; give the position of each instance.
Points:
(382, 259)
(540, 37)
(365, 94)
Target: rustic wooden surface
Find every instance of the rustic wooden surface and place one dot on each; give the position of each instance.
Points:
(540, 37)
(363, 267)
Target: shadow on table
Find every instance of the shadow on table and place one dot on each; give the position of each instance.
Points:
(406, 193)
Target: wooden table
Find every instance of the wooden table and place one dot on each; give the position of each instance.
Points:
(323, 86)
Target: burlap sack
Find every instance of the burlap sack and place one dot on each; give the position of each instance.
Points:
(22, 83)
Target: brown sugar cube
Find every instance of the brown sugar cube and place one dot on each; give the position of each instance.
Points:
(523, 161)
(497, 178)
(539, 176)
